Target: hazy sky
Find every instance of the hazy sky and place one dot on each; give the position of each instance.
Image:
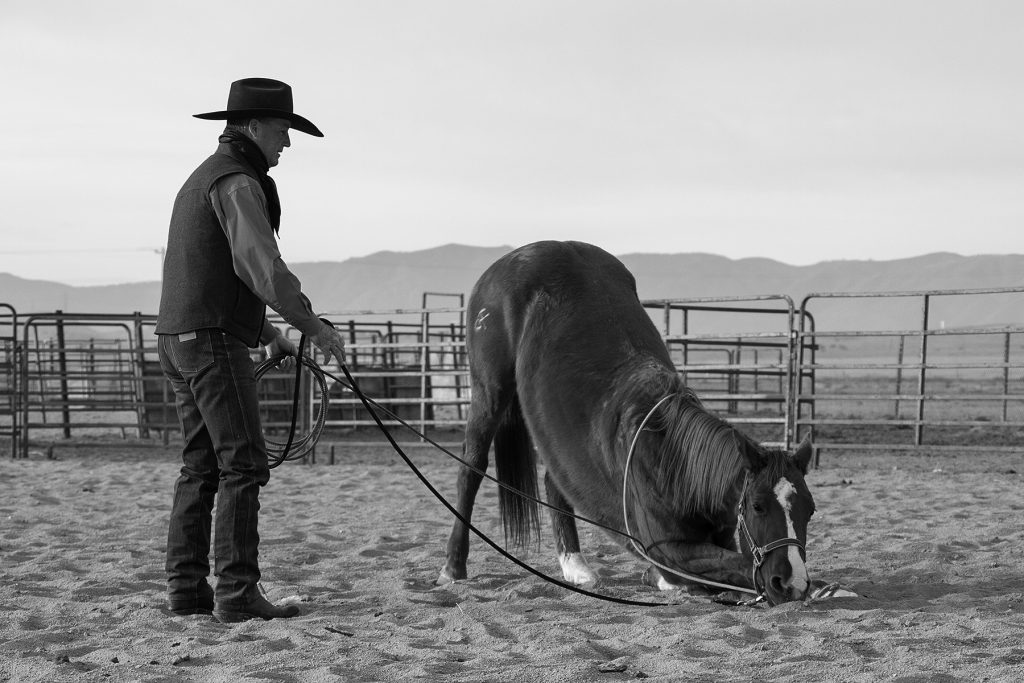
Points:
(798, 130)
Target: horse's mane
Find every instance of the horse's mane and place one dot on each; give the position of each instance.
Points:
(691, 456)
(698, 461)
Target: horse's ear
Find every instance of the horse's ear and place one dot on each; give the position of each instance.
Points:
(750, 454)
(803, 453)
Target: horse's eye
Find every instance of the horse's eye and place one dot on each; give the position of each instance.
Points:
(758, 508)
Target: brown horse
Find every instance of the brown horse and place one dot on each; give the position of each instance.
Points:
(567, 365)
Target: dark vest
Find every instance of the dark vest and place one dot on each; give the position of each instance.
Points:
(200, 288)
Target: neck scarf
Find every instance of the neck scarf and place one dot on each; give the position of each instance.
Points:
(247, 150)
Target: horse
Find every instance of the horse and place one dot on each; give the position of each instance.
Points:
(567, 365)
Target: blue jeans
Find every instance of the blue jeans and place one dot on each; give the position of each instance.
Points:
(224, 461)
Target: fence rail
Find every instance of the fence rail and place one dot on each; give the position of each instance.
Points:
(777, 371)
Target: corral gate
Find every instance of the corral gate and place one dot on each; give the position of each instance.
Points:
(98, 375)
(935, 371)
(738, 354)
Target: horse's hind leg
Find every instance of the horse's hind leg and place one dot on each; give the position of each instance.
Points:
(575, 569)
(481, 425)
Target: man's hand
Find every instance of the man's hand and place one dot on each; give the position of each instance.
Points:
(330, 344)
(283, 345)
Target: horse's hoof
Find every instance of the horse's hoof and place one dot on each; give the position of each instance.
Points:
(646, 578)
(447, 577)
(581, 581)
(655, 579)
(576, 571)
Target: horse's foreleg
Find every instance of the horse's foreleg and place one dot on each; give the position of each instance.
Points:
(575, 569)
(475, 453)
(705, 560)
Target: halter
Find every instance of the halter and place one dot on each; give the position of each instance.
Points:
(760, 553)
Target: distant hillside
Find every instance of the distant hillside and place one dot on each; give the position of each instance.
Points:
(389, 280)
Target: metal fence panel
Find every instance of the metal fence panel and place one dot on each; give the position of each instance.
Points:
(932, 376)
(97, 376)
(737, 354)
(923, 379)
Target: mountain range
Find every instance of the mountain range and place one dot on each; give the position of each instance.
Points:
(438, 277)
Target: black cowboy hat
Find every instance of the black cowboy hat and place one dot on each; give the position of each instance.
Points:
(256, 97)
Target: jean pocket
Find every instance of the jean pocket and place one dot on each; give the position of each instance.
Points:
(192, 356)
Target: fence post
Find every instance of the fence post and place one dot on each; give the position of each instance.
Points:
(899, 374)
(23, 397)
(1006, 373)
(139, 373)
(757, 383)
(351, 354)
(919, 424)
(425, 388)
(799, 348)
(62, 364)
(733, 377)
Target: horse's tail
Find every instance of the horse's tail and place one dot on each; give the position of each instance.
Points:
(516, 463)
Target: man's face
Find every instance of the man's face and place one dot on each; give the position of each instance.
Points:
(271, 136)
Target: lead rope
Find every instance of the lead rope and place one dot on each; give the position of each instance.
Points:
(313, 436)
(758, 595)
(278, 454)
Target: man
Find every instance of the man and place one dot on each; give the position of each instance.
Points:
(222, 268)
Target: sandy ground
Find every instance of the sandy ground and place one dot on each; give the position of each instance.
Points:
(932, 546)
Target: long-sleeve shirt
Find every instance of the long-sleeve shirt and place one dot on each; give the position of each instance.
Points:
(240, 205)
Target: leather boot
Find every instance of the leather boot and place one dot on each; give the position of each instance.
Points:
(199, 602)
(258, 608)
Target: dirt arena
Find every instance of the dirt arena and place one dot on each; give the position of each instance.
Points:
(934, 547)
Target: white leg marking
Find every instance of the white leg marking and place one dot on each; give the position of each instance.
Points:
(664, 585)
(575, 569)
(799, 580)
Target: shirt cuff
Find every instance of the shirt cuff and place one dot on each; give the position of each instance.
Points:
(310, 327)
(269, 333)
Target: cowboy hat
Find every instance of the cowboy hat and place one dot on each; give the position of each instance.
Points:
(257, 97)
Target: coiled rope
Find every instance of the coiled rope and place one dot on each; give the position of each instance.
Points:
(277, 452)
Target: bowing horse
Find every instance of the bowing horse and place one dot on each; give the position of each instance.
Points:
(567, 366)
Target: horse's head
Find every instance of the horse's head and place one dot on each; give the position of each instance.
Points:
(773, 510)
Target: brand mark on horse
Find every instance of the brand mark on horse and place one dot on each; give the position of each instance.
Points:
(481, 320)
